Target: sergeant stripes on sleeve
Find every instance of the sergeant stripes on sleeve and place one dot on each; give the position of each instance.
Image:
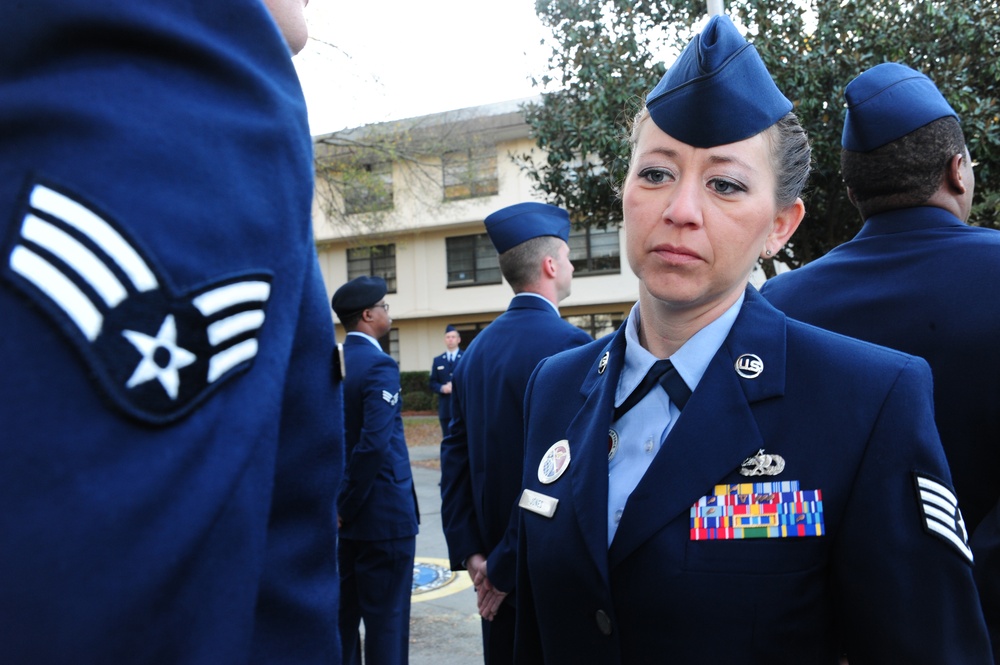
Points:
(942, 517)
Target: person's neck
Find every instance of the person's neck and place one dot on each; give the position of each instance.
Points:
(545, 290)
(664, 327)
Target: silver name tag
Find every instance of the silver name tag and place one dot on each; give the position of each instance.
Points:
(538, 503)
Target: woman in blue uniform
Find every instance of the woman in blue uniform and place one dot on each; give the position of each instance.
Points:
(727, 485)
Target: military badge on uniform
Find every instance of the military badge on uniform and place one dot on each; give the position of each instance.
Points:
(554, 462)
(154, 352)
(749, 366)
(603, 365)
(612, 444)
(390, 398)
(941, 516)
(762, 464)
(758, 510)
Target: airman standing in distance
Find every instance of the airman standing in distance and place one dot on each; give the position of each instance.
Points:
(377, 505)
(481, 458)
(913, 278)
(780, 494)
(172, 430)
(442, 370)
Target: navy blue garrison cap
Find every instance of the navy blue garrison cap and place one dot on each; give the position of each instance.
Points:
(510, 226)
(450, 328)
(888, 102)
(718, 91)
(358, 294)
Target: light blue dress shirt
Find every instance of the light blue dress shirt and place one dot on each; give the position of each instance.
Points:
(642, 431)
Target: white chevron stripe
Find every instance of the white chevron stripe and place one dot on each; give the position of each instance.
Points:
(952, 537)
(61, 290)
(216, 300)
(98, 230)
(231, 326)
(229, 358)
(94, 271)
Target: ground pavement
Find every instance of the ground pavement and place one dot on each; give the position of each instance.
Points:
(444, 624)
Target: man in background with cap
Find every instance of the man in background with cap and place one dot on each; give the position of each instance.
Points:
(913, 278)
(442, 369)
(481, 458)
(376, 507)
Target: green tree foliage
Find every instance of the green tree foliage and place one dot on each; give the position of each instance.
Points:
(603, 64)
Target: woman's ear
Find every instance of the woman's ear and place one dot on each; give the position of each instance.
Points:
(785, 224)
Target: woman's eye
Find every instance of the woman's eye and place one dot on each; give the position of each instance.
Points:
(654, 176)
(721, 186)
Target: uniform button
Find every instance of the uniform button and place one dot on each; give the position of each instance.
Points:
(603, 622)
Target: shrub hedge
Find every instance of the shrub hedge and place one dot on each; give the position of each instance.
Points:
(417, 395)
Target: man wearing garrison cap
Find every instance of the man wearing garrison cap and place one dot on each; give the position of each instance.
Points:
(376, 506)
(481, 457)
(914, 277)
(442, 369)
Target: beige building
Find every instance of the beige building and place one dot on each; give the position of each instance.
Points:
(406, 200)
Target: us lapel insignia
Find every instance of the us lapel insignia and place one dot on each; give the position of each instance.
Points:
(762, 464)
(749, 366)
(603, 365)
(554, 463)
(155, 352)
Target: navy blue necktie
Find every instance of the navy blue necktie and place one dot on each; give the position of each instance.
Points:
(664, 373)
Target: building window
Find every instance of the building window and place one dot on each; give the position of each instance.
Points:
(594, 251)
(390, 343)
(469, 332)
(374, 261)
(598, 325)
(472, 260)
(368, 188)
(470, 173)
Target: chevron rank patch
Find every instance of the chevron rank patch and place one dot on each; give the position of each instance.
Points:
(155, 353)
(390, 398)
(758, 510)
(941, 515)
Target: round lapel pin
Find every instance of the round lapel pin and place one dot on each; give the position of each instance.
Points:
(749, 366)
(554, 462)
(612, 444)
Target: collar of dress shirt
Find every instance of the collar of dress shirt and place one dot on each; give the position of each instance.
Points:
(691, 360)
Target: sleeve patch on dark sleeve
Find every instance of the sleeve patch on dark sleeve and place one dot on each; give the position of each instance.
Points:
(941, 515)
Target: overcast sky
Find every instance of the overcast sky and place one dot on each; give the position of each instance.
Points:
(375, 61)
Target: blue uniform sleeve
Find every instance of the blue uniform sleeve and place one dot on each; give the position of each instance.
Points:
(461, 529)
(434, 381)
(906, 592)
(296, 615)
(371, 453)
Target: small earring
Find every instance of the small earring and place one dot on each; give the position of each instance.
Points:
(767, 252)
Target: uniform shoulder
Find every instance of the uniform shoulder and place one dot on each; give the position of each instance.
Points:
(845, 351)
(578, 358)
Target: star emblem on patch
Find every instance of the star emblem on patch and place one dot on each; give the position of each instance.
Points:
(154, 352)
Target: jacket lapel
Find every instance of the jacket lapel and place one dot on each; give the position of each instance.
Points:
(716, 431)
(588, 439)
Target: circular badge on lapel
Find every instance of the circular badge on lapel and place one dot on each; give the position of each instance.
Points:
(554, 462)
(749, 366)
(612, 444)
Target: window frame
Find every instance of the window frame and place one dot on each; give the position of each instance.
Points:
(469, 173)
(373, 269)
(484, 264)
